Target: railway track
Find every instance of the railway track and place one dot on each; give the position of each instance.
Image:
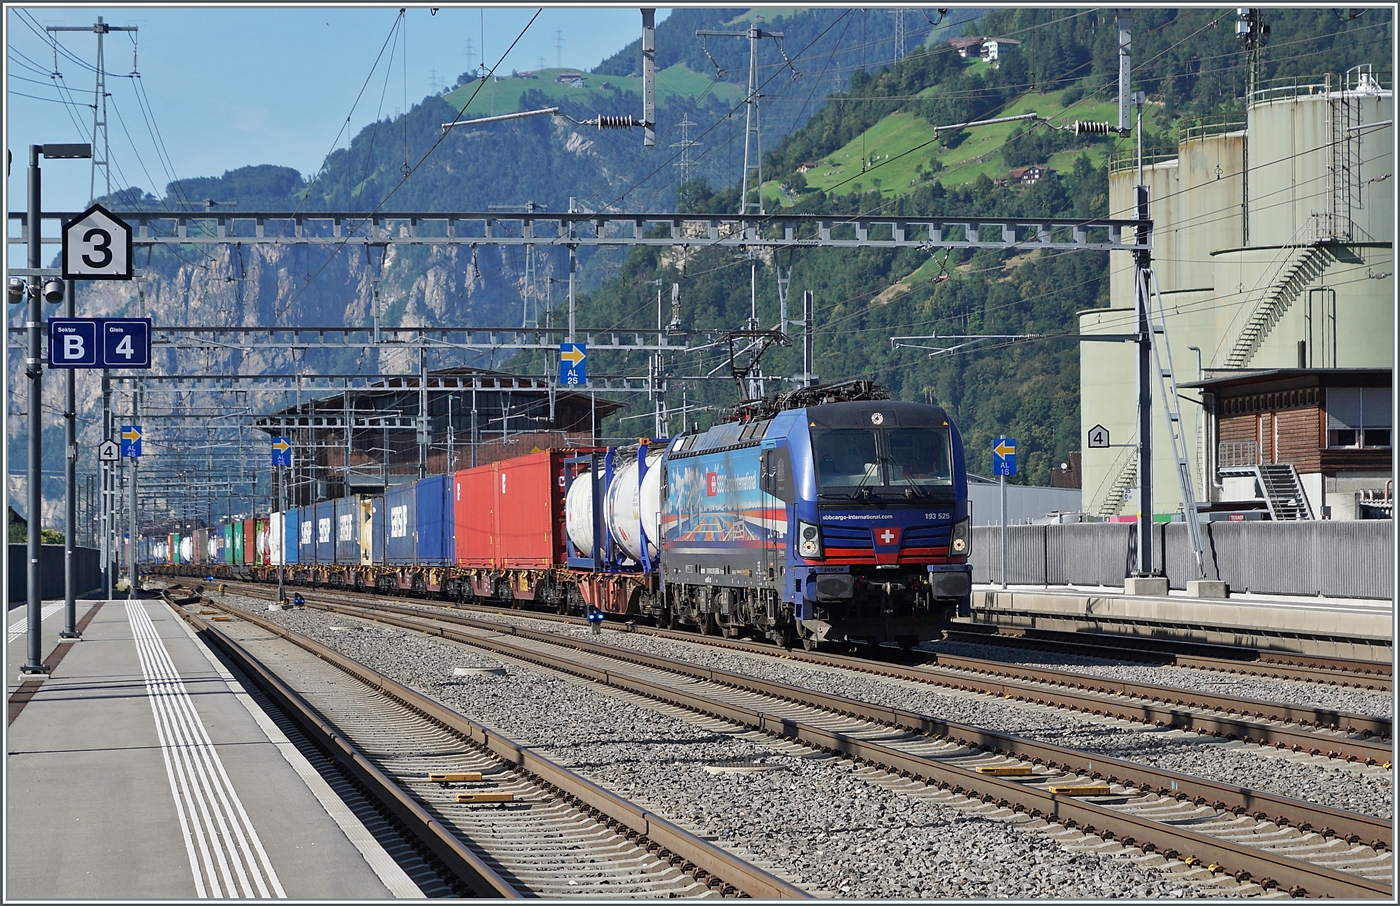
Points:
(1316, 731)
(500, 819)
(1361, 674)
(1241, 831)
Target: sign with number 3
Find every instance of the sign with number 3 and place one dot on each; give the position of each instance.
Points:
(97, 246)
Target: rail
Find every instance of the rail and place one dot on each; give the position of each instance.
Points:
(1272, 869)
(713, 861)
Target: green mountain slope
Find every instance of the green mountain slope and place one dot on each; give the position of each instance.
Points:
(875, 149)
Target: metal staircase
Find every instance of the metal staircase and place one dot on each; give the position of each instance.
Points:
(1112, 503)
(1281, 489)
(1296, 271)
(1171, 402)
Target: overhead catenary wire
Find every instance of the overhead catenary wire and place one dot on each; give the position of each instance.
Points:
(338, 247)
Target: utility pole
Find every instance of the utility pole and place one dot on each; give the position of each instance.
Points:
(1142, 265)
(424, 426)
(38, 289)
(131, 544)
(529, 316)
(1253, 33)
(648, 78)
(70, 490)
(99, 101)
(573, 266)
(685, 164)
(109, 495)
(899, 34)
(753, 148)
(808, 378)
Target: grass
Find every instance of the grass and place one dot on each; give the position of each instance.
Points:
(499, 96)
(889, 149)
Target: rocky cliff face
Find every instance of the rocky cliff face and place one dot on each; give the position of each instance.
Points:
(223, 287)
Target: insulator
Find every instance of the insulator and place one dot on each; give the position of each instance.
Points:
(1083, 128)
(617, 122)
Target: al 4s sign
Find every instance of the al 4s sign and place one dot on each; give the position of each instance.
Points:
(99, 342)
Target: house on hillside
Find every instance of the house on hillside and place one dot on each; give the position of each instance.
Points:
(571, 79)
(967, 48)
(805, 166)
(1027, 176)
(994, 49)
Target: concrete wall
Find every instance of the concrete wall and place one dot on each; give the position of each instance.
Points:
(88, 571)
(1023, 503)
(1330, 559)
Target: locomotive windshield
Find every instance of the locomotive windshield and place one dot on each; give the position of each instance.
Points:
(888, 460)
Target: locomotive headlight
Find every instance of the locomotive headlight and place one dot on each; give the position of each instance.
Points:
(809, 540)
(961, 544)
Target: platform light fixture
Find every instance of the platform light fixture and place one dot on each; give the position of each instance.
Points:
(53, 290)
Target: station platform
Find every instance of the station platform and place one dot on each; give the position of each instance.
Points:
(1339, 627)
(139, 769)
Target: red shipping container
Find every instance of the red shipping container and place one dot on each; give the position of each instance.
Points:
(250, 542)
(511, 514)
(474, 516)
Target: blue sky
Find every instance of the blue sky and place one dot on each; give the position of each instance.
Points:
(225, 87)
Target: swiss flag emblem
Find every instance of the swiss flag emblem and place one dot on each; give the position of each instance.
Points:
(711, 481)
(887, 537)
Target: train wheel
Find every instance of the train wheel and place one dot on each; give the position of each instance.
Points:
(708, 625)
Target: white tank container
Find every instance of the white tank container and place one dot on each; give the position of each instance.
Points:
(578, 514)
(187, 550)
(629, 508)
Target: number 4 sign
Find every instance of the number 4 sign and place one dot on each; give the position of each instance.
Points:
(126, 342)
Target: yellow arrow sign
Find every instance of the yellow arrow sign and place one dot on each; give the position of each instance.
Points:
(132, 435)
(1004, 450)
(573, 356)
(281, 446)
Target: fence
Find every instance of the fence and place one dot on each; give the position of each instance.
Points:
(87, 565)
(1326, 558)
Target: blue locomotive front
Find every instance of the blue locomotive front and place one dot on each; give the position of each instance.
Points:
(840, 522)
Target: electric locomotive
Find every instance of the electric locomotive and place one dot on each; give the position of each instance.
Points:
(804, 520)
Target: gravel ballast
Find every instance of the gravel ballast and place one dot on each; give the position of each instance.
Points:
(812, 818)
(816, 818)
(1303, 694)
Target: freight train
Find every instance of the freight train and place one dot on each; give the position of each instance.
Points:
(822, 516)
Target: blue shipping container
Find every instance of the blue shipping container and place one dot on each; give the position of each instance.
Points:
(397, 529)
(433, 519)
(325, 531)
(290, 537)
(306, 534)
(347, 530)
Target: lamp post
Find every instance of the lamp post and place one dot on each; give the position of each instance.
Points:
(52, 290)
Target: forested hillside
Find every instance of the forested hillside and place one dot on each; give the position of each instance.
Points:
(875, 149)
